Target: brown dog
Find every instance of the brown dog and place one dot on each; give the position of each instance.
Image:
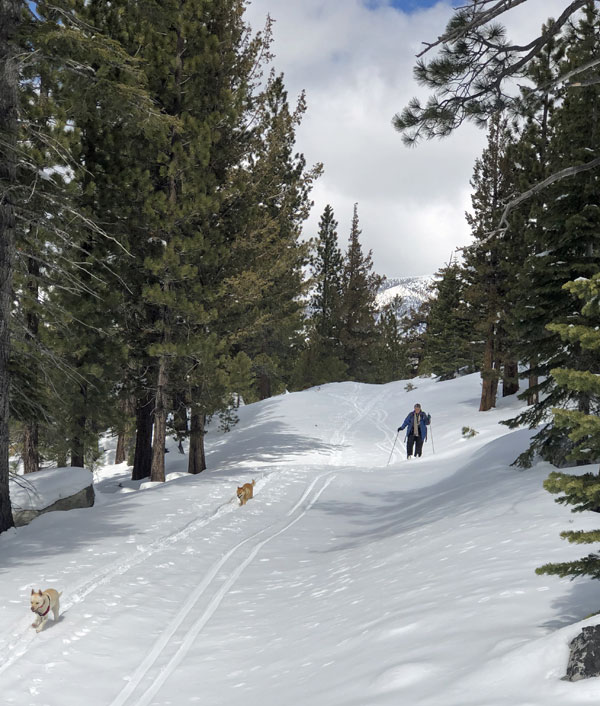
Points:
(41, 604)
(245, 492)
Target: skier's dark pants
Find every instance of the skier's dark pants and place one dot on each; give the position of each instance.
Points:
(417, 442)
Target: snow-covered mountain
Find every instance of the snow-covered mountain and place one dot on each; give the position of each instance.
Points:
(413, 291)
(354, 577)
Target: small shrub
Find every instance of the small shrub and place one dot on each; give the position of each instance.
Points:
(469, 433)
(409, 387)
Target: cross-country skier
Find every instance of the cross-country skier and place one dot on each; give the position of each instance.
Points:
(417, 422)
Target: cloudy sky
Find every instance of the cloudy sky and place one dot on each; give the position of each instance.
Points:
(354, 58)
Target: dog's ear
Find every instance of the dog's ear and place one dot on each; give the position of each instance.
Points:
(32, 591)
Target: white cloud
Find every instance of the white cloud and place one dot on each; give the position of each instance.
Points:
(355, 64)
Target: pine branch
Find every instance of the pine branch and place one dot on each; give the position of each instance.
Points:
(540, 186)
(479, 19)
(468, 78)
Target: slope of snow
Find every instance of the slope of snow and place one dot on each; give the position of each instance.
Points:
(344, 582)
(413, 291)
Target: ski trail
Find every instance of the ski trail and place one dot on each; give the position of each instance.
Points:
(22, 631)
(375, 409)
(192, 633)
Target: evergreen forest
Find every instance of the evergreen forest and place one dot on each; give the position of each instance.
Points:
(155, 267)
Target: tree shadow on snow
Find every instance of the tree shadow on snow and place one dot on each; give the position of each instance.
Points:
(468, 495)
(57, 534)
(266, 440)
(579, 603)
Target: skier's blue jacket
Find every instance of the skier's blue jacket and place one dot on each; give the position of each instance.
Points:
(423, 422)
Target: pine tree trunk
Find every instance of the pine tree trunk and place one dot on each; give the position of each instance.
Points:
(264, 386)
(181, 420)
(31, 459)
(157, 473)
(121, 451)
(510, 378)
(124, 440)
(197, 457)
(77, 446)
(9, 20)
(31, 454)
(142, 460)
(78, 443)
(533, 397)
(489, 378)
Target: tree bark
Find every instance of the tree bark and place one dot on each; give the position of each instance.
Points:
(510, 378)
(9, 21)
(157, 472)
(180, 420)
(533, 397)
(127, 406)
(489, 375)
(121, 450)
(31, 457)
(197, 456)
(264, 386)
(78, 444)
(142, 460)
(78, 440)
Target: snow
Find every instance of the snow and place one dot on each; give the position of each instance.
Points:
(344, 581)
(413, 291)
(39, 490)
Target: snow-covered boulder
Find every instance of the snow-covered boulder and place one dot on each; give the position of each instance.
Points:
(584, 659)
(53, 489)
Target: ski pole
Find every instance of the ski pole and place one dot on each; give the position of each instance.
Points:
(432, 444)
(393, 447)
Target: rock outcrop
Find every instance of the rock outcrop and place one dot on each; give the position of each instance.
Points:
(46, 491)
(584, 659)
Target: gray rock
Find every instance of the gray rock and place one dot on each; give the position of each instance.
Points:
(584, 660)
(84, 498)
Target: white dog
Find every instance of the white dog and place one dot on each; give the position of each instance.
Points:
(42, 602)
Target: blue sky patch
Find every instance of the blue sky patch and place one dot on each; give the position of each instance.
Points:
(404, 5)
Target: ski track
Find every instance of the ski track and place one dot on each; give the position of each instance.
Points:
(186, 640)
(380, 416)
(11, 652)
(24, 637)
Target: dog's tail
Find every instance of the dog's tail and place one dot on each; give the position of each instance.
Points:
(60, 594)
(253, 482)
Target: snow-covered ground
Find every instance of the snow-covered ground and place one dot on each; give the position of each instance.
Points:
(344, 582)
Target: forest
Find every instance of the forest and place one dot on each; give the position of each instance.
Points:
(154, 268)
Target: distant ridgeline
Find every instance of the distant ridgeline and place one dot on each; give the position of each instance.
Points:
(413, 291)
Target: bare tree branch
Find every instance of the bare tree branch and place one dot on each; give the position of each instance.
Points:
(540, 186)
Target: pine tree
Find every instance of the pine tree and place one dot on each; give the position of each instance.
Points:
(327, 274)
(9, 22)
(191, 69)
(359, 291)
(568, 248)
(390, 350)
(449, 350)
(107, 104)
(265, 284)
(492, 182)
(320, 362)
(530, 154)
(413, 332)
(581, 491)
